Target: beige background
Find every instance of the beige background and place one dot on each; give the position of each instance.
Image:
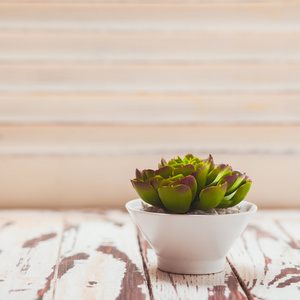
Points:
(91, 90)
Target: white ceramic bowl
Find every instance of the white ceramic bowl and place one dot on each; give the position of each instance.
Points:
(191, 244)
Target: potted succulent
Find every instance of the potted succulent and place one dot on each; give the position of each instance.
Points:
(188, 212)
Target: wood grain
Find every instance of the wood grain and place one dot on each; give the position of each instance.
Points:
(96, 254)
(29, 243)
(45, 46)
(140, 17)
(267, 259)
(104, 180)
(110, 86)
(131, 139)
(97, 260)
(150, 108)
(147, 1)
(164, 285)
(163, 78)
(72, 259)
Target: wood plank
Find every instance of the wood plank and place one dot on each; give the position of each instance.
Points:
(29, 243)
(98, 108)
(291, 228)
(237, 17)
(164, 78)
(57, 157)
(279, 215)
(104, 180)
(39, 46)
(147, 1)
(164, 285)
(267, 260)
(100, 258)
(131, 139)
(93, 241)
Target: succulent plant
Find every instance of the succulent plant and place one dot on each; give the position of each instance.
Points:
(188, 183)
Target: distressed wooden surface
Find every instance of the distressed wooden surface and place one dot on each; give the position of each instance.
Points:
(70, 255)
(164, 285)
(267, 256)
(98, 254)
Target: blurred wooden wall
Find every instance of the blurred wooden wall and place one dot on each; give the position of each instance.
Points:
(90, 90)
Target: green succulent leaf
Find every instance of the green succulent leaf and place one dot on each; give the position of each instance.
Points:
(163, 163)
(228, 197)
(179, 159)
(210, 185)
(156, 177)
(138, 174)
(200, 176)
(230, 179)
(196, 161)
(147, 192)
(176, 198)
(217, 173)
(239, 179)
(155, 181)
(191, 182)
(200, 165)
(184, 170)
(148, 173)
(172, 162)
(175, 178)
(189, 156)
(211, 197)
(164, 181)
(159, 181)
(165, 171)
(209, 162)
(236, 197)
(226, 201)
(240, 194)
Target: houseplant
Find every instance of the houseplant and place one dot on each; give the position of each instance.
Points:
(184, 240)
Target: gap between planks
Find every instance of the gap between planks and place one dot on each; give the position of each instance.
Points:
(64, 223)
(258, 280)
(143, 253)
(267, 255)
(146, 272)
(240, 280)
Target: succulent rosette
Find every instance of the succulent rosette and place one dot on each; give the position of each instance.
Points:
(188, 183)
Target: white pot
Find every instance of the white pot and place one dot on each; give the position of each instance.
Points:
(191, 244)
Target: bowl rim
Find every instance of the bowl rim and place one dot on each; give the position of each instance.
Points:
(252, 210)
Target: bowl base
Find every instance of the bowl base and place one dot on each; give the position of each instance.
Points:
(190, 267)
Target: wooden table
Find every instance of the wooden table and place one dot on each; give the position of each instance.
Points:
(98, 254)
